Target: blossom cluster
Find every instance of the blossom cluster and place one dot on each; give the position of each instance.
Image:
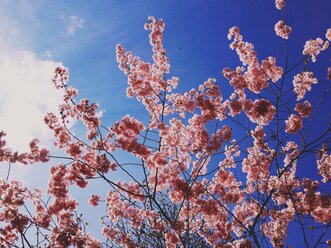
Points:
(256, 77)
(324, 165)
(302, 83)
(314, 47)
(282, 29)
(36, 154)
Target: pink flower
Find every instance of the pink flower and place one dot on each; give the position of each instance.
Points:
(61, 77)
(236, 78)
(313, 47)
(94, 200)
(328, 34)
(304, 108)
(70, 94)
(256, 78)
(110, 233)
(293, 124)
(302, 82)
(269, 67)
(235, 107)
(75, 149)
(324, 165)
(291, 150)
(234, 32)
(57, 185)
(276, 228)
(280, 4)
(282, 30)
(43, 155)
(171, 240)
(245, 50)
(259, 111)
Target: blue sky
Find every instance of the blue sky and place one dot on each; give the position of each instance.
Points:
(195, 36)
(83, 35)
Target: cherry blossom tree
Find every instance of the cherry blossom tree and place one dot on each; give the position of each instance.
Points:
(205, 171)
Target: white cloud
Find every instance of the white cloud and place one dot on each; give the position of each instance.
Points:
(26, 95)
(75, 23)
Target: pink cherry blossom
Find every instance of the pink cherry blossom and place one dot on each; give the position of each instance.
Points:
(313, 48)
(94, 200)
(304, 108)
(259, 111)
(280, 4)
(328, 34)
(61, 77)
(245, 50)
(293, 124)
(269, 67)
(324, 165)
(282, 30)
(302, 83)
(291, 151)
(237, 80)
(171, 240)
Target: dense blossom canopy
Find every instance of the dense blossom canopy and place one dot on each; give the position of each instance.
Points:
(195, 182)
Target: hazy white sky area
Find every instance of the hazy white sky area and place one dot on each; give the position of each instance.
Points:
(26, 95)
(26, 90)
